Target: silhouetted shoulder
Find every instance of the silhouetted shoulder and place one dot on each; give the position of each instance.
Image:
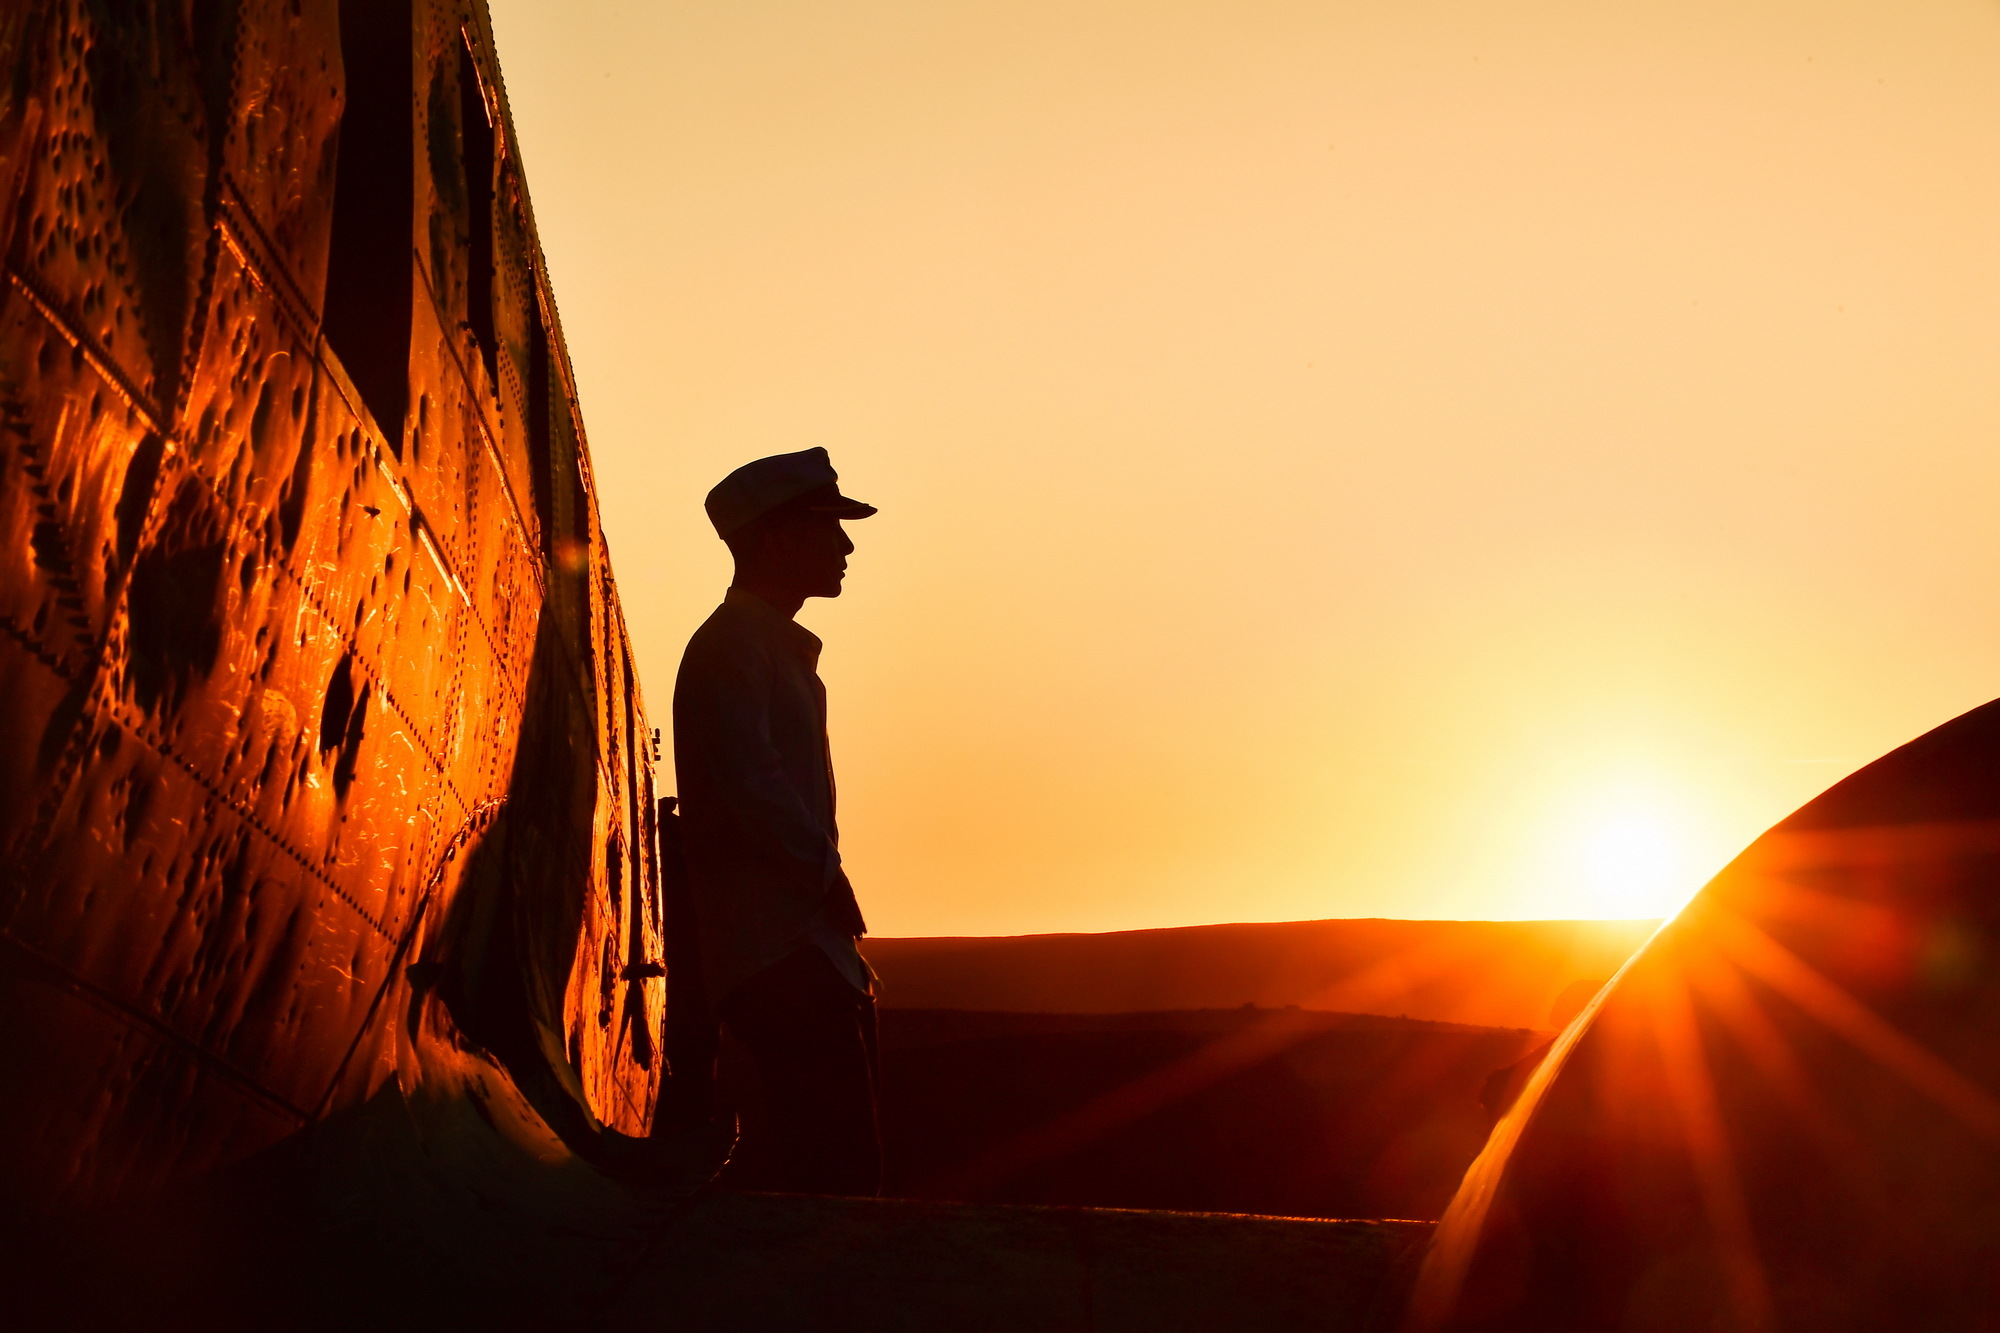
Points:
(731, 645)
(731, 628)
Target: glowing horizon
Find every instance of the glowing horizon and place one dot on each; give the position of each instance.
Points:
(1379, 460)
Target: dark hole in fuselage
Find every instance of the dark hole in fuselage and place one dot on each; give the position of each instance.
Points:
(338, 706)
(136, 494)
(341, 719)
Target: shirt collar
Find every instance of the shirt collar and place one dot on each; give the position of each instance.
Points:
(794, 635)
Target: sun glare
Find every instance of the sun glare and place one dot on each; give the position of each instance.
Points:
(1631, 856)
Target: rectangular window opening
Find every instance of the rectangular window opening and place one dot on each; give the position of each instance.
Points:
(541, 423)
(475, 120)
(370, 265)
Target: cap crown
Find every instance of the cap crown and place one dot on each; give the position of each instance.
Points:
(757, 488)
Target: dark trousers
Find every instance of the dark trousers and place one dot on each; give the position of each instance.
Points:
(812, 1035)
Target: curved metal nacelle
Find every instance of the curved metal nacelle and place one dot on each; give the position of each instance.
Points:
(1784, 1113)
(321, 728)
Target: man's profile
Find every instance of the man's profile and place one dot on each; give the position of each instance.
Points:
(774, 913)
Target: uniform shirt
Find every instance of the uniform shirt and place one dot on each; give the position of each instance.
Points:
(756, 797)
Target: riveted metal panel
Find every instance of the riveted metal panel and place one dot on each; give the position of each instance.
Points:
(110, 229)
(279, 141)
(297, 698)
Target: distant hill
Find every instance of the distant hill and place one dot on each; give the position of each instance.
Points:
(1507, 974)
(1285, 1111)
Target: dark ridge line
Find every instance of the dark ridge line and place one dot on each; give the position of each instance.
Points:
(1329, 1018)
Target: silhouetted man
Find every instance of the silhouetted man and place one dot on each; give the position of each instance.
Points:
(776, 917)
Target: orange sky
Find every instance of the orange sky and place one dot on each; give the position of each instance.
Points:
(1380, 458)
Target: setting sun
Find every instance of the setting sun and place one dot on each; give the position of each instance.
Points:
(1636, 865)
(1625, 850)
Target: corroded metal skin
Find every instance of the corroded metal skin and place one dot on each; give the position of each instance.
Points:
(318, 703)
(1785, 1112)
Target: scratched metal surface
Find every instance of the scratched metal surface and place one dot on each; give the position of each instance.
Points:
(291, 699)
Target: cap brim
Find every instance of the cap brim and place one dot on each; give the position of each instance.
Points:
(843, 508)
